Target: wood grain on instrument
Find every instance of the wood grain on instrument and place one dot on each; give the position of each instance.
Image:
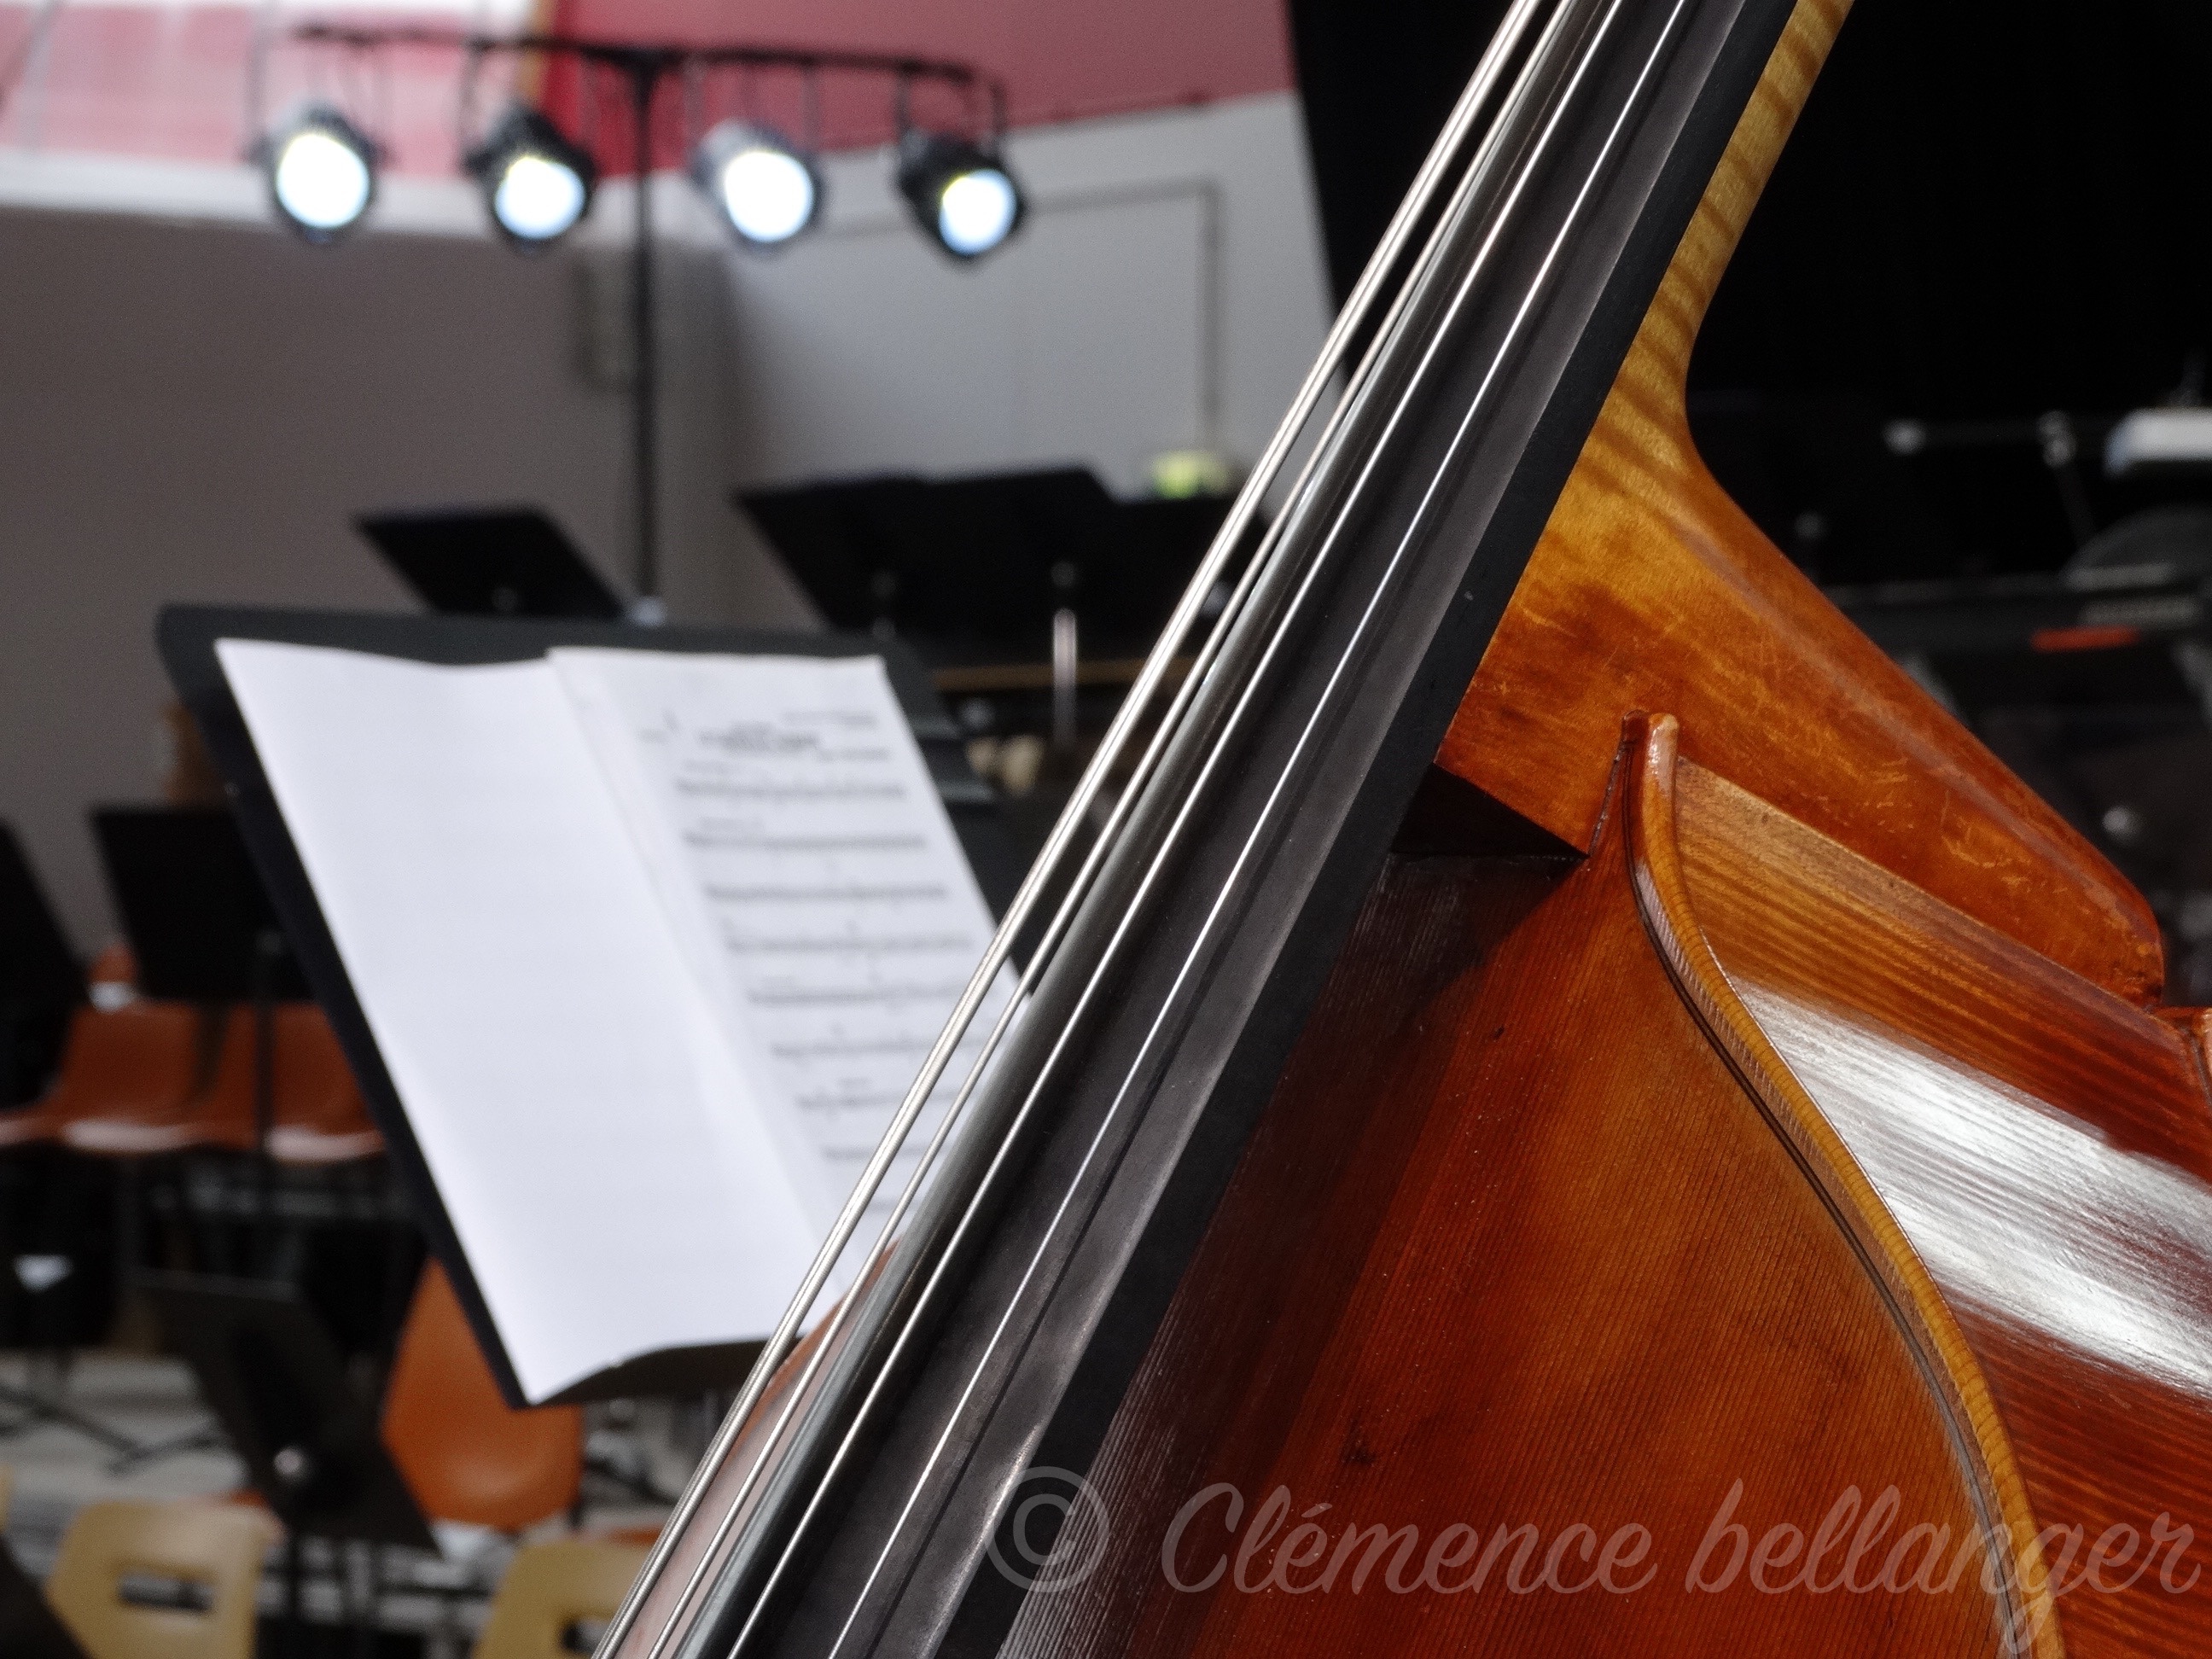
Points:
(1809, 1139)
(1513, 1246)
(2047, 1149)
(1954, 1377)
(1651, 589)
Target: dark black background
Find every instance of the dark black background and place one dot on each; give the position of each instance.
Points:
(1988, 210)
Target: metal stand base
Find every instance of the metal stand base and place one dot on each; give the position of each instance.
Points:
(206, 1437)
(36, 1409)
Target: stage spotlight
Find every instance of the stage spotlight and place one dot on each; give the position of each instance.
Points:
(322, 173)
(766, 190)
(536, 184)
(961, 193)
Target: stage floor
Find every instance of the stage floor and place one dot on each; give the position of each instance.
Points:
(437, 1600)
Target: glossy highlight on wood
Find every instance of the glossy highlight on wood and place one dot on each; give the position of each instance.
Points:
(1803, 1126)
(1542, 1260)
(1651, 589)
(2045, 1148)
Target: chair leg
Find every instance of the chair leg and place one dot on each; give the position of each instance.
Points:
(364, 1596)
(129, 1239)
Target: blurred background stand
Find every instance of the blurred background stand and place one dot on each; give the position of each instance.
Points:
(310, 1444)
(490, 562)
(1032, 597)
(40, 979)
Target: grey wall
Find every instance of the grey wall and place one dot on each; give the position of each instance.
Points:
(191, 403)
(1161, 253)
(191, 411)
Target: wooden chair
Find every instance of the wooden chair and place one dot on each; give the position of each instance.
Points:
(466, 1453)
(220, 1116)
(549, 1591)
(321, 1118)
(136, 1062)
(112, 978)
(318, 1114)
(214, 1550)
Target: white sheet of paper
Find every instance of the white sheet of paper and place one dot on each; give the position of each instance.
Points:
(596, 1144)
(810, 874)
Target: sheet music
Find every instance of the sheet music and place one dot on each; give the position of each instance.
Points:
(810, 874)
(608, 1168)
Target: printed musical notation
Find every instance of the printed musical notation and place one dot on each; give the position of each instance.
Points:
(815, 885)
(652, 946)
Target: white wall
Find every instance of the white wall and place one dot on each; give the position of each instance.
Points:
(867, 349)
(192, 404)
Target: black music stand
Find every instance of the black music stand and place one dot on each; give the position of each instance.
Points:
(40, 979)
(501, 562)
(188, 635)
(40, 984)
(972, 570)
(196, 914)
(202, 926)
(310, 1445)
(29, 1627)
(200, 923)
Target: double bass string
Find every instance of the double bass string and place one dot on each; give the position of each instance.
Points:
(1305, 587)
(1355, 312)
(1250, 691)
(1512, 34)
(1254, 573)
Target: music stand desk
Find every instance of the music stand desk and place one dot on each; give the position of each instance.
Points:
(187, 637)
(40, 979)
(37, 966)
(196, 915)
(275, 1381)
(502, 562)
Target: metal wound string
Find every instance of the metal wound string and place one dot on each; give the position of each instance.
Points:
(1511, 32)
(1244, 704)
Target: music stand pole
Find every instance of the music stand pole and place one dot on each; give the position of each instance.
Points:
(645, 73)
(312, 1446)
(296, 1624)
(268, 950)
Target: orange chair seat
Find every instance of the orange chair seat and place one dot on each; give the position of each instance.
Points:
(28, 1126)
(467, 1456)
(320, 1115)
(119, 1137)
(223, 1116)
(294, 1143)
(134, 1065)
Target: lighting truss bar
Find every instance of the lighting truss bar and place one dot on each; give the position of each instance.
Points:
(644, 65)
(664, 57)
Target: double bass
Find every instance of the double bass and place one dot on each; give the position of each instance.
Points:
(1557, 1104)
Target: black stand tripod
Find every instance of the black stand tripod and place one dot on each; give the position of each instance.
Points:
(310, 1444)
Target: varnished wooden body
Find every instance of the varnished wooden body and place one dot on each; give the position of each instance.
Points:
(1804, 1132)
(1651, 590)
